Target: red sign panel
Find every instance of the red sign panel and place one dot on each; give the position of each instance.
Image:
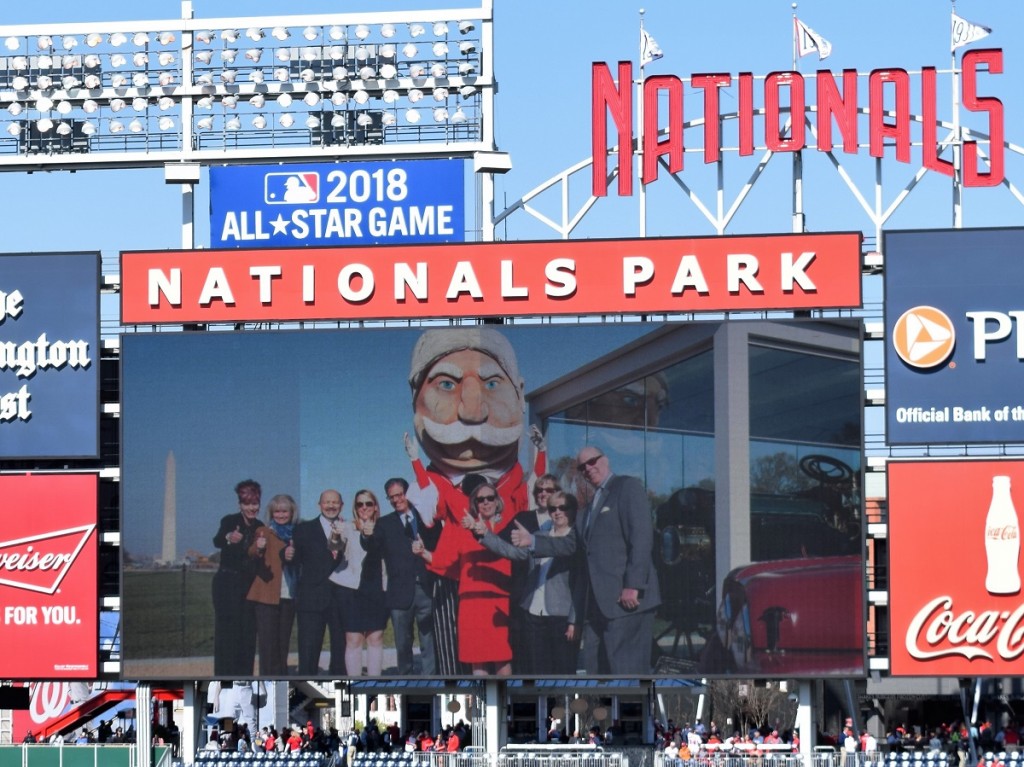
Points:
(955, 601)
(710, 274)
(48, 574)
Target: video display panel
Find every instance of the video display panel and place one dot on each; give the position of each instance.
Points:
(337, 504)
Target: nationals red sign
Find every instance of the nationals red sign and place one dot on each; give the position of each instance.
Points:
(955, 601)
(713, 274)
(48, 574)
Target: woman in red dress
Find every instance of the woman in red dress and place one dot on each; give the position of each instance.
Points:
(483, 582)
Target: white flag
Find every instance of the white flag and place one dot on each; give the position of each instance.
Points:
(809, 41)
(649, 48)
(965, 32)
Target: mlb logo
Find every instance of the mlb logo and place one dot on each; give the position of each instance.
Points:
(291, 188)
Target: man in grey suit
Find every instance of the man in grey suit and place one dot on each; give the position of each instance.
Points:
(616, 533)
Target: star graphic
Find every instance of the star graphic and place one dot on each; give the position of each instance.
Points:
(280, 224)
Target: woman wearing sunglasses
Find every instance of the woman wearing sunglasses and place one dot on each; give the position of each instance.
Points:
(364, 612)
(483, 583)
(549, 602)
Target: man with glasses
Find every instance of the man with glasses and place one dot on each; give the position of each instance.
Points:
(616, 534)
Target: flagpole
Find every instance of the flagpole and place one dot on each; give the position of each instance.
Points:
(798, 160)
(640, 135)
(957, 142)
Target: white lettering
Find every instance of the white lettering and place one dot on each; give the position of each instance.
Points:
(348, 274)
(795, 272)
(741, 268)
(464, 281)
(689, 275)
(216, 287)
(10, 305)
(415, 282)
(636, 270)
(508, 289)
(966, 634)
(265, 275)
(166, 285)
(561, 276)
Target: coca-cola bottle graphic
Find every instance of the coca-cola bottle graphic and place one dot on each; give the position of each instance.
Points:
(1002, 540)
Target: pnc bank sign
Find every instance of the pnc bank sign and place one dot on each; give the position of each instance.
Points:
(954, 336)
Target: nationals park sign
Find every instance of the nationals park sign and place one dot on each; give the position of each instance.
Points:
(837, 100)
(707, 274)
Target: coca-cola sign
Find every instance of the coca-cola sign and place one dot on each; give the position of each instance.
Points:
(956, 607)
(48, 576)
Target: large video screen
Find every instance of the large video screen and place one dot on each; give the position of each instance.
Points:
(532, 501)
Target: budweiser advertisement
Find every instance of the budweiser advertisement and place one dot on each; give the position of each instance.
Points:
(48, 581)
(955, 588)
(712, 274)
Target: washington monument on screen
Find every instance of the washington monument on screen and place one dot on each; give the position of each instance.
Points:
(169, 553)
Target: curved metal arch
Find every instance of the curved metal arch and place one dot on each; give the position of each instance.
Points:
(720, 216)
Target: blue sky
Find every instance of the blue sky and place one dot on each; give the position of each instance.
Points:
(543, 53)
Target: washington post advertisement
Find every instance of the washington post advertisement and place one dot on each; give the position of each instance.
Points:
(533, 500)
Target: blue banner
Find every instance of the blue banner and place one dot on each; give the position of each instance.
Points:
(349, 203)
(49, 355)
(954, 360)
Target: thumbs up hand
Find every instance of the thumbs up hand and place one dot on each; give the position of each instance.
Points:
(521, 537)
(235, 535)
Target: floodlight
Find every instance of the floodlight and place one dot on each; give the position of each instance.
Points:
(140, 59)
(459, 116)
(259, 122)
(307, 75)
(203, 36)
(390, 96)
(466, 68)
(440, 48)
(366, 73)
(230, 35)
(118, 80)
(141, 38)
(440, 94)
(311, 99)
(14, 108)
(117, 59)
(44, 61)
(336, 32)
(44, 103)
(233, 123)
(70, 81)
(336, 52)
(286, 120)
(256, 75)
(68, 42)
(437, 69)
(337, 120)
(165, 38)
(140, 79)
(92, 82)
(415, 95)
(19, 83)
(139, 104)
(64, 107)
(91, 61)
(19, 63)
(387, 51)
(229, 101)
(228, 76)
(257, 101)
(362, 31)
(284, 54)
(362, 53)
(361, 97)
(70, 61)
(340, 73)
(364, 120)
(389, 71)
(204, 102)
(310, 53)
(89, 106)
(166, 123)
(118, 39)
(280, 33)
(440, 114)
(165, 78)
(63, 129)
(12, 43)
(412, 115)
(409, 50)
(281, 75)
(166, 58)
(204, 123)
(339, 99)
(93, 39)
(311, 33)
(165, 103)
(88, 128)
(467, 47)
(254, 33)
(416, 70)
(44, 42)
(465, 27)
(228, 55)
(388, 118)
(254, 54)
(284, 100)
(44, 125)
(312, 122)
(136, 126)
(14, 129)
(466, 91)
(387, 30)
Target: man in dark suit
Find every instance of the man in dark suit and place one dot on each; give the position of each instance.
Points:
(617, 536)
(410, 586)
(318, 549)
